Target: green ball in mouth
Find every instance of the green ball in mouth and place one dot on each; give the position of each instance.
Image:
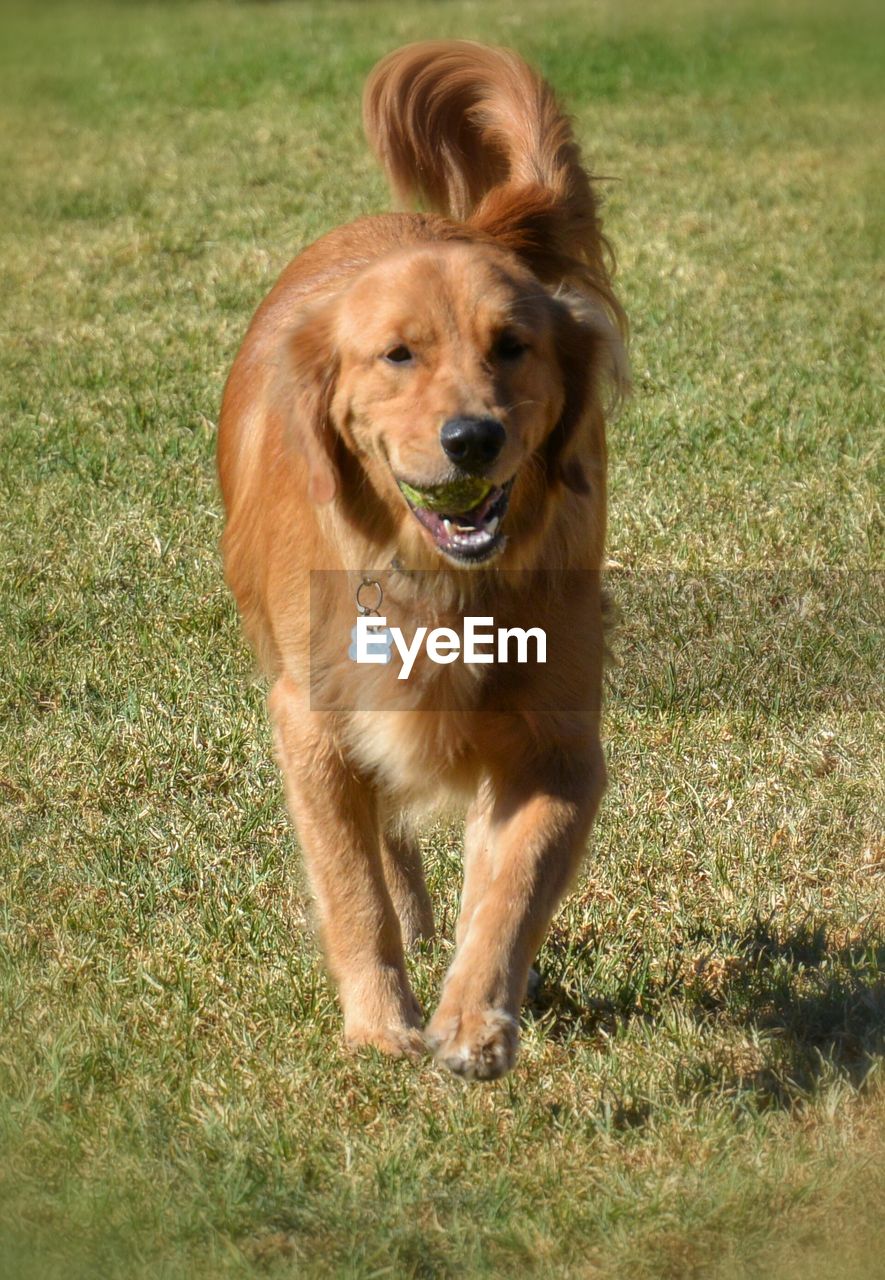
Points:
(449, 499)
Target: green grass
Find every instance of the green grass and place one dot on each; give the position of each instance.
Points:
(700, 1091)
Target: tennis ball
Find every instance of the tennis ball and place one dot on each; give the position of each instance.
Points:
(449, 499)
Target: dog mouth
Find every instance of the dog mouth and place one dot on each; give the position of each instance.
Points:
(463, 518)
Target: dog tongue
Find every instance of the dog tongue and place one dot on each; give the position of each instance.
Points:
(478, 514)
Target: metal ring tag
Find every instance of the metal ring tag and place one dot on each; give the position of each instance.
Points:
(366, 609)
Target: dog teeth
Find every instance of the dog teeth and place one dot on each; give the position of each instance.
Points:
(473, 531)
(468, 535)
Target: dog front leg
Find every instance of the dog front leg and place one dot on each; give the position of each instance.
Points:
(336, 816)
(535, 833)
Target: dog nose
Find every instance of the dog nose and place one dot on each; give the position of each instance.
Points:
(472, 443)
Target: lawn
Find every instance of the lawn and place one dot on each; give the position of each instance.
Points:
(700, 1092)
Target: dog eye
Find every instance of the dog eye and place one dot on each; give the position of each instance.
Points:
(398, 355)
(509, 346)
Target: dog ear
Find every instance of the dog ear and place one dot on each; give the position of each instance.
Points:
(591, 356)
(303, 391)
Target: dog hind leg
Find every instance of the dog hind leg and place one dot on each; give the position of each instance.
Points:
(404, 873)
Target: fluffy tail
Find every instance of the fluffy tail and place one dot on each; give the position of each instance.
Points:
(475, 134)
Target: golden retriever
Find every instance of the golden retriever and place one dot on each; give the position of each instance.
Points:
(467, 351)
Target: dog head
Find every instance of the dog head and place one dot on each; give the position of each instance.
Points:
(456, 381)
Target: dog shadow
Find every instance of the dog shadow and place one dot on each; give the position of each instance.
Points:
(816, 1007)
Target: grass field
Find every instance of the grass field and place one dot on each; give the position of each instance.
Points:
(700, 1092)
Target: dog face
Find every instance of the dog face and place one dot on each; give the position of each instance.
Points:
(447, 370)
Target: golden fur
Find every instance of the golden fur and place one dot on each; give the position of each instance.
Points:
(318, 424)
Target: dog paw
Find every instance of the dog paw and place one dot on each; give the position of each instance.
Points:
(477, 1046)
(381, 1011)
(396, 1041)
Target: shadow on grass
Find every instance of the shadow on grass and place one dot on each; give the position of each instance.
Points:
(815, 1005)
(821, 1007)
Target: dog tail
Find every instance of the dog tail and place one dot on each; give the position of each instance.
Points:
(474, 133)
